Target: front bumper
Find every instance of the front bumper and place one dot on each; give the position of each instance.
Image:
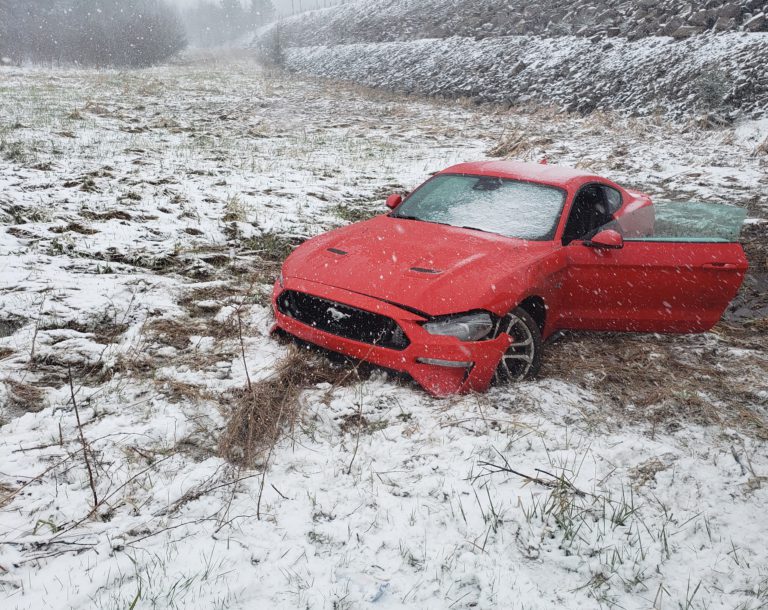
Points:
(441, 365)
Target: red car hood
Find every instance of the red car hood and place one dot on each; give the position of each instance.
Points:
(432, 268)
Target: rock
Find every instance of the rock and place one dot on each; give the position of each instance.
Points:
(724, 23)
(686, 31)
(698, 18)
(756, 24)
(671, 26)
(730, 10)
(517, 68)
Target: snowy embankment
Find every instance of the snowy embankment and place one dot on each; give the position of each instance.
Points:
(722, 73)
(405, 20)
(143, 217)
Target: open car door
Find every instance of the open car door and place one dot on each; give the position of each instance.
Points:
(680, 278)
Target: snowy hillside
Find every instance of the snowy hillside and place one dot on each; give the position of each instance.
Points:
(389, 20)
(648, 76)
(671, 57)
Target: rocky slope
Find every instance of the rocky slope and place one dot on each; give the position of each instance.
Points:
(678, 58)
(390, 20)
(723, 75)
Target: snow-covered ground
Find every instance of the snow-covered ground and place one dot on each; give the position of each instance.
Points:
(144, 214)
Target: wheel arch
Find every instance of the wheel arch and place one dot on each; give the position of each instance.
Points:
(537, 309)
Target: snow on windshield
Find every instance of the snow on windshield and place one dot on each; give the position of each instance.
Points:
(508, 207)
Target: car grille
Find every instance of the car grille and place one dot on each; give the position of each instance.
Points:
(342, 320)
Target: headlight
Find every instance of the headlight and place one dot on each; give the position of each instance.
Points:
(466, 327)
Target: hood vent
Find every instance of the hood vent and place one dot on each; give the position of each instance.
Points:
(428, 271)
(337, 251)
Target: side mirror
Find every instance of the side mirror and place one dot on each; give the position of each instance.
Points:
(393, 201)
(607, 239)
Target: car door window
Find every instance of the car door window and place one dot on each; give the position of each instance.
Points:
(694, 222)
(592, 209)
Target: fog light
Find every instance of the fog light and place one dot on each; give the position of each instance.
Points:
(451, 364)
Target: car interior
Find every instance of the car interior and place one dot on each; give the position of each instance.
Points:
(592, 210)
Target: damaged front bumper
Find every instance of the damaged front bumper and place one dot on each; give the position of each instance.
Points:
(442, 365)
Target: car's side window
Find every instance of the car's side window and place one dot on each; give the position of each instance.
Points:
(593, 208)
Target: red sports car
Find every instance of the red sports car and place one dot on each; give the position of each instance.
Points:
(463, 280)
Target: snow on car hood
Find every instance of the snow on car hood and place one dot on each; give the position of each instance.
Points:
(433, 268)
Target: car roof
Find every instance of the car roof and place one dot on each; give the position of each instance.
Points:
(555, 175)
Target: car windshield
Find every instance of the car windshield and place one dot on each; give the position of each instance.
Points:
(496, 205)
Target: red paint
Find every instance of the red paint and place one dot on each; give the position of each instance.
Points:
(402, 268)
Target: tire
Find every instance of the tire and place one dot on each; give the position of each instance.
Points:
(523, 358)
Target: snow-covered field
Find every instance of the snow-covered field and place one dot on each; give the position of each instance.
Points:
(144, 216)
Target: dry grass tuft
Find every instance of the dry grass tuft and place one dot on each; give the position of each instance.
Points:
(178, 332)
(23, 396)
(235, 210)
(110, 215)
(206, 301)
(512, 145)
(269, 409)
(179, 391)
(646, 472)
(659, 380)
(74, 227)
(762, 148)
(272, 247)
(104, 330)
(516, 144)
(6, 494)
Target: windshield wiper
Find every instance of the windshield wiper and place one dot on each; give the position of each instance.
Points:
(476, 229)
(404, 217)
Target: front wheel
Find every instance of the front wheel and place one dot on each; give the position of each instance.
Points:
(522, 360)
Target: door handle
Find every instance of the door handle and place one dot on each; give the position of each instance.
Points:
(719, 266)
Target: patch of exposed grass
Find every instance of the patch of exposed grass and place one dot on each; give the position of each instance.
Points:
(178, 332)
(352, 213)
(24, 396)
(272, 246)
(73, 227)
(179, 391)
(762, 148)
(104, 329)
(13, 152)
(110, 215)
(18, 214)
(213, 292)
(516, 144)
(235, 210)
(645, 378)
(6, 494)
